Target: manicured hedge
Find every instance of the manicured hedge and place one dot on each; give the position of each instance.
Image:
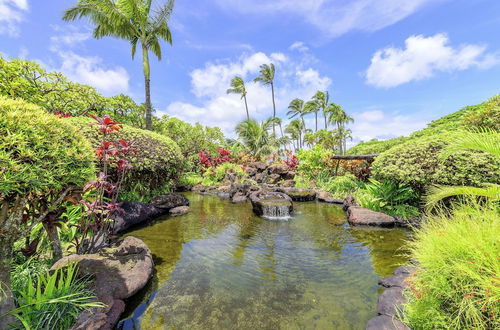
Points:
(418, 163)
(40, 153)
(157, 162)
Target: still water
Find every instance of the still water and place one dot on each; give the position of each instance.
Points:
(221, 267)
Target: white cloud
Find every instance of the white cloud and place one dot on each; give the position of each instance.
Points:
(422, 58)
(11, 14)
(89, 70)
(299, 46)
(375, 124)
(334, 17)
(213, 107)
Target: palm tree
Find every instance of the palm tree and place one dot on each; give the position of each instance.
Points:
(484, 140)
(238, 87)
(295, 128)
(256, 138)
(266, 77)
(312, 107)
(131, 20)
(297, 108)
(341, 118)
(321, 100)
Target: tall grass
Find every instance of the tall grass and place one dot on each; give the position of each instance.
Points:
(52, 301)
(457, 285)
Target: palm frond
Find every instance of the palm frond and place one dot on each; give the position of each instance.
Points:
(485, 140)
(439, 193)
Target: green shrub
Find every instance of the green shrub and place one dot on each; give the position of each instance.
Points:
(190, 179)
(419, 164)
(375, 146)
(343, 185)
(157, 162)
(457, 283)
(215, 175)
(53, 301)
(486, 116)
(314, 161)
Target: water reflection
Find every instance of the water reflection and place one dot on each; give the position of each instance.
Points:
(220, 267)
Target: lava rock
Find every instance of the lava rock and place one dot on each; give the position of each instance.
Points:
(273, 178)
(259, 166)
(394, 281)
(280, 169)
(384, 322)
(299, 194)
(407, 270)
(134, 213)
(326, 197)
(262, 200)
(169, 201)
(361, 216)
(179, 210)
(288, 184)
(118, 273)
(239, 198)
(391, 301)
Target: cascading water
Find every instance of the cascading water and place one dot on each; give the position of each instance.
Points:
(272, 205)
(276, 211)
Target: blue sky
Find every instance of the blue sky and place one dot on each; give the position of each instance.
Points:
(392, 64)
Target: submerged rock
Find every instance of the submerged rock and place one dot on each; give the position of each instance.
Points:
(361, 216)
(118, 273)
(271, 204)
(391, 301)
(179, 210)
(384, 322)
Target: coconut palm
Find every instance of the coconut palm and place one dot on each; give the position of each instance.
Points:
(338, 116)
(295, 129)
(321, 100)
(266, 77)
(297, 108)
(256, 137)
(131, 20)
(238, 87)
(312, 107)
(484, 140)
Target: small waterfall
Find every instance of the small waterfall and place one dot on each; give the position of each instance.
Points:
(276, 211)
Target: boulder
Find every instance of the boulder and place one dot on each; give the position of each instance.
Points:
(134, 213)
(118, 273)
(280, 169)
(391, 301)
(326, 197)
(251, 171)
(384, 322)
(361, 216)
(394, 281)
(239, 198)
(271, 204)
(259, 166)
(260, 177)
(288, 184)
(169, 201)
(273, 178)
(179, 210)
(348, 202)
(407, 270)
(290, 175)
(299, 194)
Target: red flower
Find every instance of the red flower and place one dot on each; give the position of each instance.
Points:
(106, 124)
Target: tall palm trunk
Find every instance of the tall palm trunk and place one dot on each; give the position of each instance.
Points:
(303, 122)
(340, 134)
(326, 122)
(147, 80)
(316, 115)
(246, 107)
(274, 107)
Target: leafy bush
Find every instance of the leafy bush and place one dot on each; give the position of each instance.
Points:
(190, 179)
(375, 146)
(341, 186)
(418, 163)
(214, 175)
(314, 161)
(487, 116)
(457, 282)
(157, 162)
(53, 301)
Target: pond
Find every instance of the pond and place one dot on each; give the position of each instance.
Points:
(222, 267)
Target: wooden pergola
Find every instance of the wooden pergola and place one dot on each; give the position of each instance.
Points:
(339, 158)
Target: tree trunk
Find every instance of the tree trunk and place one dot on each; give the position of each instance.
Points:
(246, 107)
(316, 115)
(274, 107)
(326, 124)
(6, 298)
(54, 241)
(147, 77)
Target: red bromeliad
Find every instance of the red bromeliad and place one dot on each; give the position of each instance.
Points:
(207, 160)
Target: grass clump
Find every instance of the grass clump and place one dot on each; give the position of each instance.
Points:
(457, 285)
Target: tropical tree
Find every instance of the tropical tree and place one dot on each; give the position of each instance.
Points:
(312, 107)
(484, 140)
(131, 20)
(321, 100)
(266, 77)
(338, 116)
(295, 129)
(256, 137)
(238, 87)
(297, 108)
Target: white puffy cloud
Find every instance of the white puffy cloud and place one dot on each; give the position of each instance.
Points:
(334, 17)
(299, 46)
(11, 14)
(421, 58)
(214, 107)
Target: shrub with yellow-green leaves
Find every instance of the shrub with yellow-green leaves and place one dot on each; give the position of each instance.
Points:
(42, 158)
(157, 162)
(419, 164)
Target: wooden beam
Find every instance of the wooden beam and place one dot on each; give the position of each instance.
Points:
(355, 157)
